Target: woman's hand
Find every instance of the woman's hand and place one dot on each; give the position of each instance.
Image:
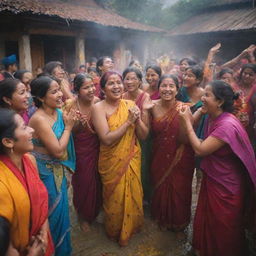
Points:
(69, 120)
(215, 48)
(37, 248)
(148, 104)
(134, 114)
(185, 114)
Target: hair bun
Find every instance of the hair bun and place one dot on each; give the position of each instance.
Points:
(236, 96)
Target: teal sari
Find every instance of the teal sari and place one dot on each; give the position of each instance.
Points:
(52, 173)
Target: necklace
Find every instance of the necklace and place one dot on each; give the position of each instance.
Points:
(84, 118)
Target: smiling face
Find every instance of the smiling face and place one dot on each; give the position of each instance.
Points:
(227, 78)
(183, 65)
(168, 89)
(114, 87)
(19, 100)
(53, 97)
(211, 105)
(152, 77)
(248, 76)
(23, 136)
(190, 79)
(131, 82)
(87, 90)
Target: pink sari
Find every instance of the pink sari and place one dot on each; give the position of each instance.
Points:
(228, 174)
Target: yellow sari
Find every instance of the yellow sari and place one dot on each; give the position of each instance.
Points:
(120, 170)
(15, 207)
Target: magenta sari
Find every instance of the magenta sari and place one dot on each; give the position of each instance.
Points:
(86, 180)
(227, 186)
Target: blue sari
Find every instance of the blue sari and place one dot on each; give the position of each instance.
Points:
(52, 173)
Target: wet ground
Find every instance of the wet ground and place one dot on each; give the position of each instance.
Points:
(151, 241)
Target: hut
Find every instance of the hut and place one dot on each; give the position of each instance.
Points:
(230, 22)
(70, 31)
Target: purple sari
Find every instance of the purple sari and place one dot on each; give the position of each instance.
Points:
(226, 195)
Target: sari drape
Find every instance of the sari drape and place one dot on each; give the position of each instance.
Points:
(52, 173)
(225, 198)
(86, 180)
(119, 167)
(171, 173)
(24, 202)
(146, 147)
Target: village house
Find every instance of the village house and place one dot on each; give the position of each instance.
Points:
(70, 31)
(231, 22)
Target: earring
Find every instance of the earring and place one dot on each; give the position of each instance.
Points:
(11, 150)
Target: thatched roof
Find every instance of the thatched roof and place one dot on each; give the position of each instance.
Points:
(218, 21)
(80, 10)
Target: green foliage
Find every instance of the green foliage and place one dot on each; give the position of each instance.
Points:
(151, 12)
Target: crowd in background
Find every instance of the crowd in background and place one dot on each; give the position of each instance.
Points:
(125, 142)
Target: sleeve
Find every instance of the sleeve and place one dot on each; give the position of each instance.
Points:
(6, 203)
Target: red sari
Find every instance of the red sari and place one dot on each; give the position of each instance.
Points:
(171, 173)
(86, 180)
(37, 194)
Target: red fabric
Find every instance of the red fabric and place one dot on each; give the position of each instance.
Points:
(86, 180)
(226, 198)
(140, 101)
(155, 95)
(37, 193)
(171, 201)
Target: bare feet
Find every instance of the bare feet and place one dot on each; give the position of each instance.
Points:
(85, 227)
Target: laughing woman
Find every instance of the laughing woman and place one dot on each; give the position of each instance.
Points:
(23, 197)
(86, 180)
(118, 125)
(54, 152)
(14, 95)
(173, 161)
(229, 170)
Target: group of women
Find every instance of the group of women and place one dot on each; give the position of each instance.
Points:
(100, 146)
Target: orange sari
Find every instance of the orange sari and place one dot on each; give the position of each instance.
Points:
(119, 167)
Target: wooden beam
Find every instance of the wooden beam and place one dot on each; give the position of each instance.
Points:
(49, 31)
(25, 52)
(80, 50)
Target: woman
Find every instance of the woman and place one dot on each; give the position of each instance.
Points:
(191, 93)
(118, 124)
(153, 73)
(104, 64)
(55, 69)
(25, 77)
(173, 161)
(245, 106)
(132, 79)
(229, 169)
(23, 197)
(54, 152)
(85, 181)
(14, 95)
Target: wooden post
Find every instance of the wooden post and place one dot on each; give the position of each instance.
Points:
(2, 48)
(80, 47)
(25, 60)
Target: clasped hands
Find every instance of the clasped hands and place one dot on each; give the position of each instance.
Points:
(134, 114)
